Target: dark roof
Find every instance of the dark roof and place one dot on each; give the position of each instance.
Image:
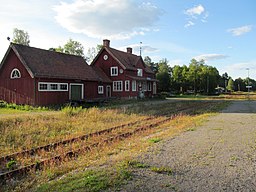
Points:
(51, 64)
(127, 60)
(102, 75)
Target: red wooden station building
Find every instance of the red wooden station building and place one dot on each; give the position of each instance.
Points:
(40, 77)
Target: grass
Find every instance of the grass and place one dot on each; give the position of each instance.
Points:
(154, 140)
(23, 132)
(162, 170)
(89, 180)
(108, 167)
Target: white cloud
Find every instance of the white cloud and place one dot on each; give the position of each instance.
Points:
(240, 30)
(195, 13)
(136, 48)
(197, 10)
(239, 69)
(120, 19)
(210, 57)
(189, 23)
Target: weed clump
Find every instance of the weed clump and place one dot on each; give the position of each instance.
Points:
(71, 111)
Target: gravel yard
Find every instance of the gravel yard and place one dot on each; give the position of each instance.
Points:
(220, 155)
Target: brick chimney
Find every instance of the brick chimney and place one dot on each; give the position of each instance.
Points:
(129, 50)
(106, 43)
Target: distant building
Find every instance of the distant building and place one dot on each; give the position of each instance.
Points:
(131, 77)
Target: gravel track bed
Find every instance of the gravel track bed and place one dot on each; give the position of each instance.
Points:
(220, 155)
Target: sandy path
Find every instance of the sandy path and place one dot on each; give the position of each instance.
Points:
(218, 156)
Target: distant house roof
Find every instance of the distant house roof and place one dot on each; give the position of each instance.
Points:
(51, 64)
(127, 60)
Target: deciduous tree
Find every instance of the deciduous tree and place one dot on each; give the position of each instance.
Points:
(20, 37)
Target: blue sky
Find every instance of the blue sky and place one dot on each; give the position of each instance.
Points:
(222, 32)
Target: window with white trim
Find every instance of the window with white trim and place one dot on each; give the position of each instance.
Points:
(64, 87)
(15, 74)
(54, 86)
(149, 86)
(114, 71)
(154, 87)
(144, 86)
(134, 85)
(46, 86)
(139, 72)
(117, 86)
(100, 89)
(127, 85)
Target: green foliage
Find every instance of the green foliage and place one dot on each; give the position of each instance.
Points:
(20, 37)
(21, 107)
(136, 164)
(163, 75)
(92, 53)
(71, 111)
(162, 170)
(154, 140)
(71, 47)
(230, 86)
(90, 180)
(11, 164)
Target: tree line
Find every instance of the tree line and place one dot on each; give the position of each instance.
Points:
(195, 78)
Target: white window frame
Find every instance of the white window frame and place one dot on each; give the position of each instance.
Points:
(117, 86)
(49, 86)
(139, 72)
(144, 86)
(127, 85)
(149, 86)
(114, 71)
(15, 74)
(154, 87)
(134, 86)
(100, 89)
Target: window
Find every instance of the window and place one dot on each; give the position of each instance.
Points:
(42, 86)
(100, 89)
(117, 86)
(144, 86)
(149, 86)
(64, 87)
(54, 86)
(46, 86)
(15, 74)
(114, 71)
(154, 88)
(133, 85)
(139, 72)
(127, 85)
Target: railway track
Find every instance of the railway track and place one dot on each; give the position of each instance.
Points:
(42, 156)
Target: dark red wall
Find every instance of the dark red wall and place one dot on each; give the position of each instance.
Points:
(16, 90)
(25, 89)
(105, 65)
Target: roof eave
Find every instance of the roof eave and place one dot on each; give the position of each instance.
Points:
(22, 60)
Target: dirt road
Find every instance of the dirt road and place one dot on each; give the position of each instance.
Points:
(218, 156)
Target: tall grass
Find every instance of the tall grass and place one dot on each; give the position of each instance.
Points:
(24, 132)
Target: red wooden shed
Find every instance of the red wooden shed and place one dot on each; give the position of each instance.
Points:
(40, 77)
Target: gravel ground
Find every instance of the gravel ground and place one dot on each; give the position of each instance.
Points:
(220, 155)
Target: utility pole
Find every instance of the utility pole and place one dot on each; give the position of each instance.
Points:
(248, 86)
(140, 48)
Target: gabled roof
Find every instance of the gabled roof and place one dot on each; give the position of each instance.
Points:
(50, 64)
(126, 60)
(102, 75)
